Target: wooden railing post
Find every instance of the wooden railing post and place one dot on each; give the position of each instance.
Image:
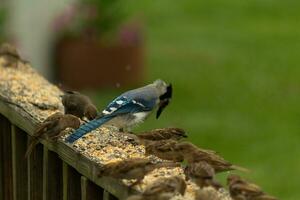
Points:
(52, 176)
(1, 160)
(71, 183)
(6, 159)
(35, 173)
(90, 191)
(19, 164)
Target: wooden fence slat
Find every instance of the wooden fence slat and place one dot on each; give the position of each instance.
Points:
(35, 173)
(19, 164)
(90, 191)
(52, 176)
(1, 160)
(6, 159)
(71, 183)
(78, 161)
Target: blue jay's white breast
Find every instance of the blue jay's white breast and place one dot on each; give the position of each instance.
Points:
(128, 120)
(140, 117)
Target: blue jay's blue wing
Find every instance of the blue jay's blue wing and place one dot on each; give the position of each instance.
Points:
(116, 104)
(121, 105)
(124, 105)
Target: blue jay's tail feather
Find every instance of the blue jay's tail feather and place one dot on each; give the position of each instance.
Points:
(88, 127)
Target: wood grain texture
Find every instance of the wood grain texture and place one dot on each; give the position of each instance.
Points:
(35, 173)
(6, 159)
(71, 183)
(20, 172)
(1, 160)
(108, 196)
(52, 176)
(78, 161)
(90, 191)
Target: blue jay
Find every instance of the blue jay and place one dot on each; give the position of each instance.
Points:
(129, 109)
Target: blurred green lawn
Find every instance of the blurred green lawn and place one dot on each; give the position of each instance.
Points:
(234, 68)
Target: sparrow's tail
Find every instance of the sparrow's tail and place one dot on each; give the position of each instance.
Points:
(267, 197)
(34, 141)
(164, 164)
(87, 127)
(242, 169)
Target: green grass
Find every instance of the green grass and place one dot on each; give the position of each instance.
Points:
(235, 69)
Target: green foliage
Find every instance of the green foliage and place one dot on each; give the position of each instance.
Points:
(97, 18)
(109, 15)
(235, 70)
(2, 24)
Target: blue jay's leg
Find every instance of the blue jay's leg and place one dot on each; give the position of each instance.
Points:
(122, 130)
(85, 120)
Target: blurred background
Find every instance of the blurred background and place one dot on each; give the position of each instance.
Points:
(233, 65)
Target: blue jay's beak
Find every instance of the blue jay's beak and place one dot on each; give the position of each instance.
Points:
(164, 100)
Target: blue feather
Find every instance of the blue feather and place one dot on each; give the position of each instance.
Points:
(85, 128)
(119, 106)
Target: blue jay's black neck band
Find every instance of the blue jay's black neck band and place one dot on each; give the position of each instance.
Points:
(164, 100)
(168, 93)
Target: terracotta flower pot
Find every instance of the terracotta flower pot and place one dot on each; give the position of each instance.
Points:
(87, 63)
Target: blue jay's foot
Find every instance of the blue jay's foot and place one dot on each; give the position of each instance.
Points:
(85, 120)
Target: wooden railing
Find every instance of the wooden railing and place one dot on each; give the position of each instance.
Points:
(53, 171)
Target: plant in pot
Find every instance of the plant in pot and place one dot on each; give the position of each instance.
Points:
(95, 48)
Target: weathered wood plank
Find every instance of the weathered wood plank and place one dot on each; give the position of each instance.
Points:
(108, 196)
(52, 176)
(6, 159)
(90, 191)
(105, 195)
(35, 173)
(72, 184)
(20, 172)
(18, 117)
(78, 161)
(1, 160)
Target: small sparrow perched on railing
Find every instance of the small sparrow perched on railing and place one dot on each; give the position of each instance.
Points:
(51, 128)
(240, 189)
(79, 105)
(11, 55)
(192, 154)
(156, 135)
(129, 109)
(163, 149)
(202, 174)
(162, 189)
(132, 168)
(163, 134)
